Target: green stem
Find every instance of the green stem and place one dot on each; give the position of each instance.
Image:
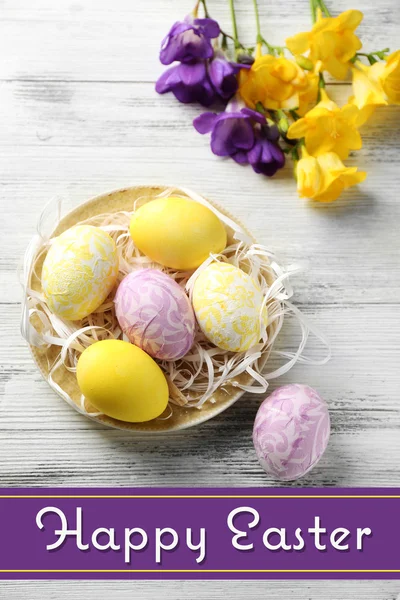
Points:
(371, 56)
(230, 37)
(313, 9)
(323, 7)
(234, 24)
(206, 13)
(260, 39)
(321, 85)
(294, 115)
(314, 4)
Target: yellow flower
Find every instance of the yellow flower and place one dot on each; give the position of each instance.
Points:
(325, 177)
(328, 128)
(308, 96)
(387, 74)
(276, 82)
(368, 94)
(331, 40)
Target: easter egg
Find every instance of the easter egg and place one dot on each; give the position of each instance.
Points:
(291, 431)
(177, 233)
(79, 271)
(122, 381)
(155, 314)
(227, 304)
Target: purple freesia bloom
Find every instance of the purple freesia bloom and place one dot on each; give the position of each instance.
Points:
(266, 156)
(232, 132)
(244, 135)
(222, 74)
(189, 40)
(188, 82)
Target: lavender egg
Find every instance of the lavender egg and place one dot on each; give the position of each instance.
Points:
(155, 314)
(291, 431)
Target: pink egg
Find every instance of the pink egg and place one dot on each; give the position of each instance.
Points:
(291, 431)
(155, 314)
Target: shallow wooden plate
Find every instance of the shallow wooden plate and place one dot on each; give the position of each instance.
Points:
(182, 417)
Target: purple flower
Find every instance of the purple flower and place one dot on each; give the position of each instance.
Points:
(266, 156)
(232, 132)
(188, 82)
(222, 75)
(244, 135)
(189, 40)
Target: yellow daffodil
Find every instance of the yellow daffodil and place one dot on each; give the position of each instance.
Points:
(275, 82)
(387, 74)
(368, 93)
(331, 40)
(323, 178)
(328, 128)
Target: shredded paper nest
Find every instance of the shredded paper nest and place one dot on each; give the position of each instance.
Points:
(207, 375)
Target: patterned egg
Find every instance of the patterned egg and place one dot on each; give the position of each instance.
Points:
(291, 431)
(177, 232)
(227, 303)
(155, 314)
(79, 271)
(122, 381)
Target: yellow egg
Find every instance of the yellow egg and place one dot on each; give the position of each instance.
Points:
(122, 381)
(227, 303)
(79, 271)
(177, 232)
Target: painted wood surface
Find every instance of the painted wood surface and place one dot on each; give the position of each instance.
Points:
(80, 117)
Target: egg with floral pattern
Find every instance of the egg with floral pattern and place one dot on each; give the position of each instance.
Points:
(155, 314)
(227, 304)
(79, 271)
(291, 431)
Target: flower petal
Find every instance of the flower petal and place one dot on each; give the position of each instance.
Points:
(254, 114)
(350, 19)
(240, 157)
(298, 129)
(205, 122)
(278, 155)
(229, 135)
(192, 45)
(298, 43)
(209, 27)
(222, 75)
(254, 155)
(185, 94)
(192, 73)
(170, 43)
(168, 80)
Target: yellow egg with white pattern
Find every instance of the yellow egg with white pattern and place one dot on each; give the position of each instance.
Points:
(228, 307)
(79, 271)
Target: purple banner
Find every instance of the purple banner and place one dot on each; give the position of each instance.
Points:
(240, 533)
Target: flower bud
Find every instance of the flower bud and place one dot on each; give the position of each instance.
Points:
(245, 59)
(304, 63)
(283, 125)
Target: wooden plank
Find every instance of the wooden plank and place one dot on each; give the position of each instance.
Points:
(98, 41)
(201, 590)
(133, 115)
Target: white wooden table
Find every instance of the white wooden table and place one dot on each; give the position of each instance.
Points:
(79, 116)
